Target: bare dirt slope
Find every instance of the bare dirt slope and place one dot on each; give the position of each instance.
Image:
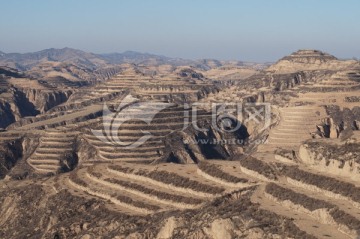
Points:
(295, 177)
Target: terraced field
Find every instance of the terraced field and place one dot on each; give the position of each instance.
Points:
(137, 189)
(160, 187)
(295, 126)
(294, 185)
(176, 118)
(54, 147)
(322, 204)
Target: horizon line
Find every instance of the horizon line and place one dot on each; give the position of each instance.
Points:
(162, 55)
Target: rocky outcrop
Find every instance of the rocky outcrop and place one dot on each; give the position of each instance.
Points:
(287, 81)
(6, 114)
(85, 151)
(220, 229)
(335, 159)
(15, 106)
(22, 169)
(328, 129)
(45, 100)
(340, 123)
(10, 153)
(20, 103)
(193, 145)
(168, 228)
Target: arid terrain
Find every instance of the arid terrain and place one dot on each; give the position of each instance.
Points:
(73, 165)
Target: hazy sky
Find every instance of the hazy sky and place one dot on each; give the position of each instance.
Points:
(255, 30)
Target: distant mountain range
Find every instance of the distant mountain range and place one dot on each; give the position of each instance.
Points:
(132, 57)
(25, 61)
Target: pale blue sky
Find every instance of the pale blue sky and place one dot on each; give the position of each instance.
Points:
(254, 30)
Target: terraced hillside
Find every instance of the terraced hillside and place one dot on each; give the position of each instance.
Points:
(296, 125)
(83, 166)
(54, 152)
(130, 131)
(81, 116)
(304, 114)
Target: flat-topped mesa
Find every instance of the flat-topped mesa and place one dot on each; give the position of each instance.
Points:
(310, 60)
(309, 57)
